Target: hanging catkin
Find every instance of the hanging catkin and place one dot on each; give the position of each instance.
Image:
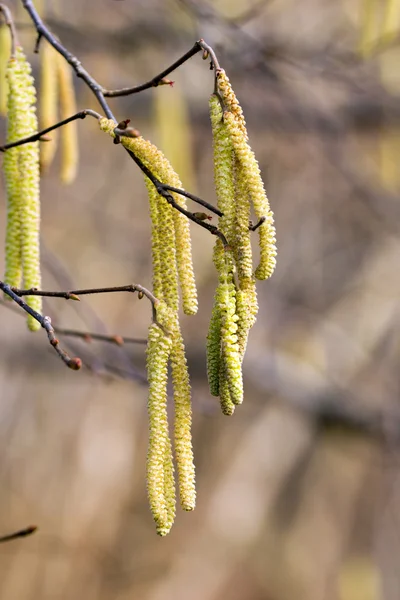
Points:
(21, 167)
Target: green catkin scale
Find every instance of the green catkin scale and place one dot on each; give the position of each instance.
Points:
(21, 166)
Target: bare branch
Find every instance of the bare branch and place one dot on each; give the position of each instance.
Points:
(38, 136)
(45, 322)
(157, 80)
(257, 225)
(18, 534)
(87, 336)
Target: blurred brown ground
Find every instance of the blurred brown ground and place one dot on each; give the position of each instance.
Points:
(298, 492)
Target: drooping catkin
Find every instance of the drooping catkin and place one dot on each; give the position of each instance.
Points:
(155, 243)
(159, 463)
(161, 168)
(255, 188)
(183, 424)
(21, 167)
(69, 133)
(5, 50)
(214, 348)
(229, 340)
(48, 101)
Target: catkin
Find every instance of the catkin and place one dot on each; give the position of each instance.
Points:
(255, 188)
(21, 167)
(69, 133)
(48, 101)
(159, 463)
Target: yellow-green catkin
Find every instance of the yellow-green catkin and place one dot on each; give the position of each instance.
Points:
(230, 102)
(161, 168)
(69, 133)
(229, 340)
(5, 50)
(160, 482)
(155, 243)
(183, 424)
(48, 104)
(22, 182)
(255, 188)
(214, 348)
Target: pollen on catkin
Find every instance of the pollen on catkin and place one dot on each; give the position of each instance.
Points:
(214, 348)
(69, 133)
(48, 104)
(21, 166)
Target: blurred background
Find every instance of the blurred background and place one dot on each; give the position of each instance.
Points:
(299, 491)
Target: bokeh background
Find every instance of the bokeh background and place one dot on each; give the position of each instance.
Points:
(299, 491)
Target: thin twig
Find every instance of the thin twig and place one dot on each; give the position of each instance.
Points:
(87, 336)
(157, 79)
(204, 203)
(8, 20)
(18, 534)
(43, 31)
(73, 363)
(74, 294)
(209, 53)
(37, 136)
(257, 225)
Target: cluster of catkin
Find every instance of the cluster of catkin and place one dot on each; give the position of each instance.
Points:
(239, 188)
(21, 170)
(172, 269)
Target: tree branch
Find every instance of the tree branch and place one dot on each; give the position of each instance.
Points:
(157, 80)
(45, 322)
(38, 136)
(18, 534)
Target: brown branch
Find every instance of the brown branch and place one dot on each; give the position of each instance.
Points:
(74, 294)
(157, 80)
(18, 534)
(258, 224)
(73, 363)
(87, 336)
(38, 136)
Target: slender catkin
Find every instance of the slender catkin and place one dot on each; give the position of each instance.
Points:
(21, 167)
(225, 399)
(214, 348)
(160, 166)
(242, 235)
(48, 101)
(159, 462)
(252, 181)
(183, 424)
(155, 243)
(229, 101)
(5, 50)
(69, 133)
(229, 340)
